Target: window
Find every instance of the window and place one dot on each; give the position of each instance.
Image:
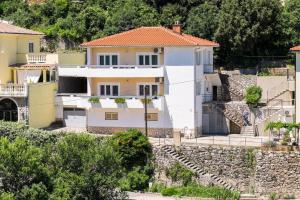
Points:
(147, 59)
(152, 116)
(111, 116)
(149, 89)
(198, 57)
(108, 59)
(31, 47)
(108, 89)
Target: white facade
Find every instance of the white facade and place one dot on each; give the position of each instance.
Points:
(182, 76)
(297, 85)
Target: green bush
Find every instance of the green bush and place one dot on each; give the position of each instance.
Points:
(195, 190)
(273, 196)
(134, 148)
(36, 191)
(135, 180)
(120, 100)
(253, 94)
(157, 187)
(94, 100)
(6, 196)
(177, 172)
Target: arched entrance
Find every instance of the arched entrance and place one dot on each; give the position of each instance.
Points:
(8, 110)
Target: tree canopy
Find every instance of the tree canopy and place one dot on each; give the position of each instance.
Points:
(243, 28)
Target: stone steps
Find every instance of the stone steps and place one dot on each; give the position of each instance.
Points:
(248, 197)
(247, 131)
(213, 178)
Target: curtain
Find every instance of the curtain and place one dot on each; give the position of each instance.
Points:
(29, 76)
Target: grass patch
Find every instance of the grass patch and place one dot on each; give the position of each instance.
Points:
(195, 190)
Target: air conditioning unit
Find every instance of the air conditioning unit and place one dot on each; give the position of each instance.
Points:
(158, 50)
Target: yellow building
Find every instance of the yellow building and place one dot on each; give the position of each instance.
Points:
(27, 76)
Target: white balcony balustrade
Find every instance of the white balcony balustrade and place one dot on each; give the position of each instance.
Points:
(36, 58)
(13, 90)
(111, 71)
(156, 103)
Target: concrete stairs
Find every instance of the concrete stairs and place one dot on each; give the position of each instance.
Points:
(248, 197)
(200, 172)
(230, 113)
(247, 131)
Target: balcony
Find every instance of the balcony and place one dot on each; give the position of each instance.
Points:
(117, 71)
(13, 90)
(81, 101)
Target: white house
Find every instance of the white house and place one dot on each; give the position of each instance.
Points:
(174, 69)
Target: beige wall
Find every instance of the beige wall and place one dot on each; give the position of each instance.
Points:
(128, 86)
(41, 103)
(13, 45)
(71, 58)
(5, 71)
(127, 54)
(268, 83)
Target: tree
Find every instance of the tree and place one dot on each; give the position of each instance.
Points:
(202, 21)
(253, 95)
(21, 164)
(129, 14)
(246, 26)
(292, 20)
(171, 13)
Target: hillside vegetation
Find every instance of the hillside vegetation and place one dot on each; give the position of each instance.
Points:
(244, 28)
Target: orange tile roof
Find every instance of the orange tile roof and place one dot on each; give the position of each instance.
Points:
(150, 36)
(6, 28)
(296, 48)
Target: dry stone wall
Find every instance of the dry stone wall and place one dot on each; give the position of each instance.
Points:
(250, 170)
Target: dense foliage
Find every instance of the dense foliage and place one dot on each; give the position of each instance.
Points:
(253, 94)
(37, 164)
(246, 29)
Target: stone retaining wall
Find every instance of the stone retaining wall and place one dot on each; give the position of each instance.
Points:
(152, 132)
(251, 170)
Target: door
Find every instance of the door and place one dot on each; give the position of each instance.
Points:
(75, 118)
(215, 93)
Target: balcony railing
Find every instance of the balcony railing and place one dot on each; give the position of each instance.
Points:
(13, 90)
(110, 71)
(131, 102)
(36, 58)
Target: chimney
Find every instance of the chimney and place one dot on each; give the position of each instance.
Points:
(177, 27)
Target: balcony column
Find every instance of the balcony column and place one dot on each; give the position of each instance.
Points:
(89, 86)
(15, 76)
(88, 56)
(44, 76)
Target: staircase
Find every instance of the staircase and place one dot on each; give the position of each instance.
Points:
(200, 172)
(231, 89)
(230, 113)
(247, 131)
(248, 197)
(277, 91)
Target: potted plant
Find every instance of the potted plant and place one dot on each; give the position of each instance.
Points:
(148, 101)
(120, 100)
(94, 100)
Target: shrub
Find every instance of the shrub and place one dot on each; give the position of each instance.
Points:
(134, 148)
(94, 100)
(177, 172)
(120, 100)
(157, 187)
(36, 191)
(21, 164)
(6, 196)
(250, 158)
(253, 94)
(195, 190)
(135, 180)
(270, 144)
(273, 196)
(147, 101)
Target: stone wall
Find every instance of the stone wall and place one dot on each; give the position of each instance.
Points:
(152, 132)
(251, 170)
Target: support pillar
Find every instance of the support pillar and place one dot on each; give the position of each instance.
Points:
(89, 86)
(44, 76)
(15, 76)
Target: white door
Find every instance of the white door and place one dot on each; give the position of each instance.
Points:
(74, 118)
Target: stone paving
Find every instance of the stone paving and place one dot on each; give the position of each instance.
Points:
(156, 196)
